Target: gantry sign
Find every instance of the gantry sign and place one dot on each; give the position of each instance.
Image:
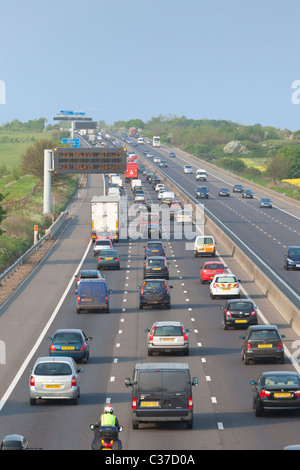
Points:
(89, 160)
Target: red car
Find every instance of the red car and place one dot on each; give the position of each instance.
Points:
(209, 269)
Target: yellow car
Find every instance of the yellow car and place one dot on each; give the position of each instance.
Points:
(204, 245)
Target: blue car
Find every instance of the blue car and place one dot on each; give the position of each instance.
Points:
(70, 342)
(265, 202)
(154, 249)
(292, 258)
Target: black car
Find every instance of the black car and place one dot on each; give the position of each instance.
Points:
(292, 258)
(202, 192)
(155, 292)
(248, 193)
(224, 192)
(278, 390)
(262, 342)
(238, 188)
(155, 181)
(156, 267)
(239, 313)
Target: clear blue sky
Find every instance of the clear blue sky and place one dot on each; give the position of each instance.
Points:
(123, 59)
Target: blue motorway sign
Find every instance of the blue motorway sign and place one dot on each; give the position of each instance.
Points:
(73, 142)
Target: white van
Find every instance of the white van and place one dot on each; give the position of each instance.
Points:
(201, 175)
(113, 191)
(135, 183)
(140, 140)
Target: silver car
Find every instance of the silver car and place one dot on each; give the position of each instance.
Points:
(168, 336)
(54, 378)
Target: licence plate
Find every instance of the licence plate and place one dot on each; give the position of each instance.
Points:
(264, 346)
(168, 339)
(108, 258)
(225, 288)
(240, 321)
(68, 348)
(154, 251)
(149, 403)
(53, 386)
(282, 395)
(156, 269)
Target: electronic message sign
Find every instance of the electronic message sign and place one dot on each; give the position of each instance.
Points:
(89, 160)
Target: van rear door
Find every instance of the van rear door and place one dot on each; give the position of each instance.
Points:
(175, 392)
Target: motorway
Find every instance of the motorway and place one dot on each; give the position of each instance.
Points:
(223, 415)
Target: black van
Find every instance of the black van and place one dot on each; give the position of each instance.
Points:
(162, 392)
(92, 295)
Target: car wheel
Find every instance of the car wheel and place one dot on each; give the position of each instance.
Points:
(168, 306)
(225, 327)
(189, 424)
(33, 401)
(150, 352)
(246, 360)
(258, 410)
(141, 306)
(212, 296)
(74, 401)
(134, 425)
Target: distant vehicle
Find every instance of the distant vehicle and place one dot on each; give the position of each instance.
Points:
(239, 313)
(224, 192)
(210, 269)
(108, 259)
(156, 267)
(140, 140)
(172, 154)
(202, 192)
(262, 342)
(154, 248)
(101, 244)
(292, 258)
(247, 193)
(265, 202)
(201, 175)
(155, 292)
(14, 442)
(163, 163)
(92, 296)
(224, 285)
(183, 217)
(54, 378)
(156, 159)
(168, 336)
(105, 215)
(156, 141)
(238, 188)
(205, 245)
(188, 169)
(70, 342)
(88, 274)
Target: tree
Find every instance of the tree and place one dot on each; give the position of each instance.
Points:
(278, 167)
(3, 213)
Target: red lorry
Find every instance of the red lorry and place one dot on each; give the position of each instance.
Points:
(131, 171)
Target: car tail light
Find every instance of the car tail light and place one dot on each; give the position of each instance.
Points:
(78, 279)
(134, 403)
(248, 346)
(106, 298)
(253, 313)
(167, 289)
(52, 347)
(184, 334)
(32, 381)
(151, 334)
(227, 313)
(142, 290)
(280, 346)
(264, 393)
(78, 298)
(190, 406)
(297, 393)
(165, 263)
(117, 258)
(83, 347)
(99, 258)
(73, 381)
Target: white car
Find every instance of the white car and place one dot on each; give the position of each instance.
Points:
(161, 192)
(156, 159)
(225, 285)
(188, 169)
(184, 217)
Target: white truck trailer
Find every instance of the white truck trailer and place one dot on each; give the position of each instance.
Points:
(105, 216)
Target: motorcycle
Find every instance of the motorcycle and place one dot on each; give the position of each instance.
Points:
(106, 437)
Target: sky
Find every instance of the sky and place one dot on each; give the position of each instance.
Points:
(117, 60)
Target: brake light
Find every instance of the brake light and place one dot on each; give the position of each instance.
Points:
(134, 404)
(248, 346)
(297, 393)
(52, 347)
(253, 313)
(99, 258)
(78, 298)
(167, 289)
(184, 335)
(73, 381)
(165, 263)
(264, 393)
(78, 279)
(83, 347)
(190, 406)
(106, 445)
(106, 298)
(142, 290)
(32, 381)
(280, 346)
(227, 313)
(151, 334)
(117, 258)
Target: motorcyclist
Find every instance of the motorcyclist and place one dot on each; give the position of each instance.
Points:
(108, 418)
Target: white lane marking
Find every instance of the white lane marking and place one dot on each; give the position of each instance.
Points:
(42, 335)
